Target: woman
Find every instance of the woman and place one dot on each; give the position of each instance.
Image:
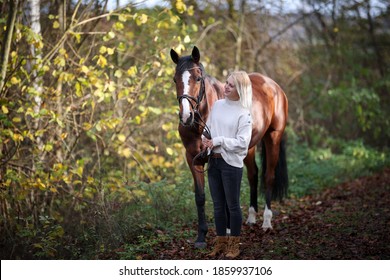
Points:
(230, 125)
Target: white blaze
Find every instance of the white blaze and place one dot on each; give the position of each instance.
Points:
(184, 102)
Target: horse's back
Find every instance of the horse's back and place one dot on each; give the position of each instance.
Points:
(269, 107)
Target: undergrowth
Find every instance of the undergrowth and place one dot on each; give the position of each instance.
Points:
(130, 221)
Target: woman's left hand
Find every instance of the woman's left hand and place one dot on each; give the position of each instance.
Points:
(207, 143)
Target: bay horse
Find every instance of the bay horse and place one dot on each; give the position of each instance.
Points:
(196, 93)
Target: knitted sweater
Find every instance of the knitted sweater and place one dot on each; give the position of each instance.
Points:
(230, 125)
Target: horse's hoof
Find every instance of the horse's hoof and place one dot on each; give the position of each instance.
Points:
(200, 245)
(267, 229)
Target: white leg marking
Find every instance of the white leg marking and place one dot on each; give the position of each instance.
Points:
(267, 219)
(185, 103)
(251, 216)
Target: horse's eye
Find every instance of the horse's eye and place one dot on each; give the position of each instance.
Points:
(198, 79)
(174, 80)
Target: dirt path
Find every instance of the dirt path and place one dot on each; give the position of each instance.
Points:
(350, 221)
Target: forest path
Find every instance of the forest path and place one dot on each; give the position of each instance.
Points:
(349, 221)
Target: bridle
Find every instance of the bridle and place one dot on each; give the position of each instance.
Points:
(195, 108)
(201, 95)
(198, 100)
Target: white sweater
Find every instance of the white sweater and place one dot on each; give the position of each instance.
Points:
(230, 125)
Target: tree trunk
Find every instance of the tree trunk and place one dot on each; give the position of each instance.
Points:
(371, 30)
(5, 50)
(239, 38)
(59, 92)
(34, 6)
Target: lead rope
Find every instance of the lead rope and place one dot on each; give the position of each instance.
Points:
(204, 153)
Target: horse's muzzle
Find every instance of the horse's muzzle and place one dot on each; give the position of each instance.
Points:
(187, 121)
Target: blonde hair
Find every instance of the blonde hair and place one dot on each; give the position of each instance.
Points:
(244, 87)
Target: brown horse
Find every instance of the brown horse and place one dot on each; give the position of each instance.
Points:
(196, 93)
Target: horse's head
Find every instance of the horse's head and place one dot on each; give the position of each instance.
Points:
(190, 86)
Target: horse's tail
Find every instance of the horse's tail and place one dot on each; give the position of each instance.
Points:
(279, 191)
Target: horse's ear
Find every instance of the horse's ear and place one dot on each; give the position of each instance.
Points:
(174, 56)
(195, 54)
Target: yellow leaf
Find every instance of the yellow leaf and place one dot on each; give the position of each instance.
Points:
(90, 180)
(169, 151)
(14, 81)
(142, 19)
(110, 51)
(111, 35)
(84, 69)
(174, 19)
(56, 25)
(111, 86)
(62, 51)
(4, 109)
(122, 18)
(48, 147)
(78, 89)
(102, 61)
(119, 26)
(137, 120)
(118, 74)
(122, 137)
(166, 127)
(190, 11)
(126, 152)
(187, 39)
(180, 6)
(40, 185)
(87, 126)
(102, 49)
(17, 137)
(132, 71)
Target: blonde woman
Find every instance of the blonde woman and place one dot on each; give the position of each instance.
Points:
(230, 125)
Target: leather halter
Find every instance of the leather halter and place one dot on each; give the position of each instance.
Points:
(198, 100)
(202, 93)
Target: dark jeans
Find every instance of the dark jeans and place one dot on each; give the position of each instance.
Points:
(225, 183)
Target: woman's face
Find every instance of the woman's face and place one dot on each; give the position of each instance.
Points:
(230, 90)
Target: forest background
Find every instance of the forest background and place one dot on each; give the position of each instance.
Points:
(90, 156)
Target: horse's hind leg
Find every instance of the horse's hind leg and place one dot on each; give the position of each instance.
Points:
(272, 148)
(253, 176)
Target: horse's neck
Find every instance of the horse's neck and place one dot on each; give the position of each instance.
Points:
(214, 91)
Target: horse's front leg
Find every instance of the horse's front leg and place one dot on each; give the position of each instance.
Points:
(200, 200)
